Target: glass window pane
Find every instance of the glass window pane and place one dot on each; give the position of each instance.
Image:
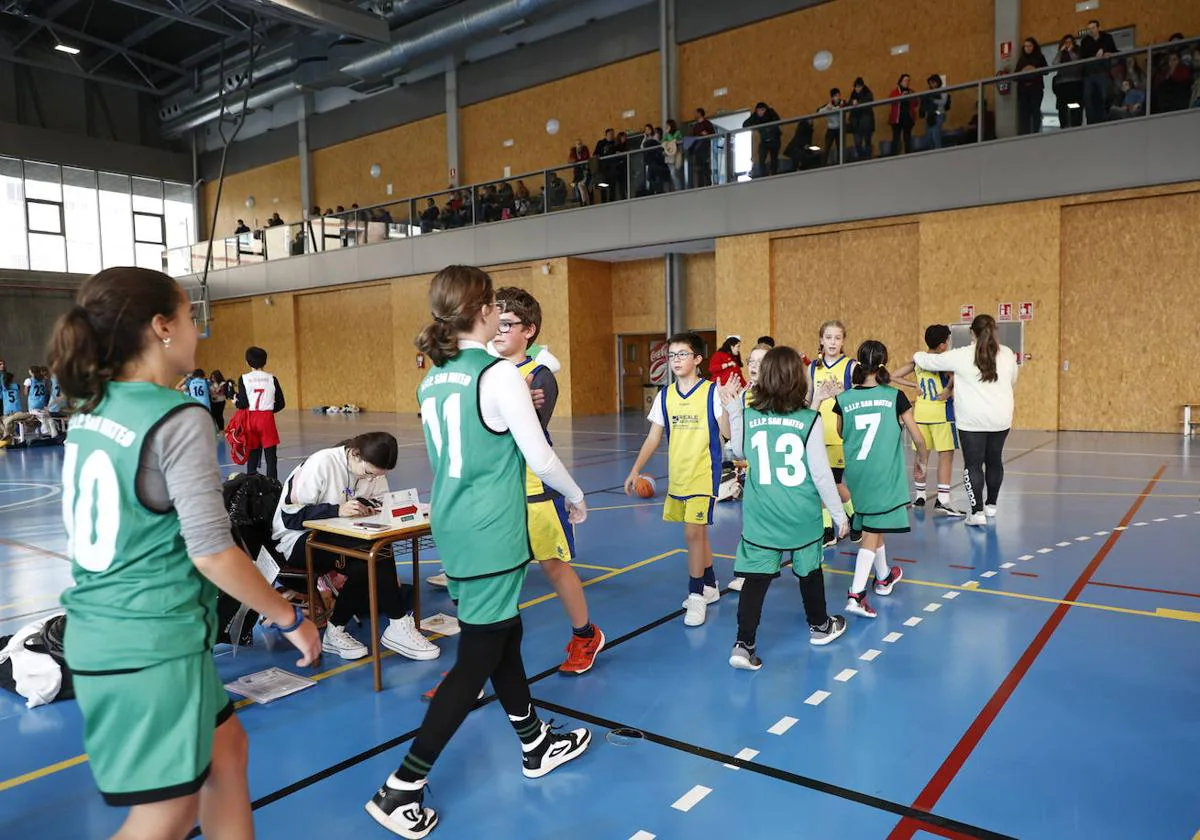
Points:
(147, 195)
(180, 216)
(147, 228)
(149, 256)
(116, 220)
(47, 252)
(14, 247)
(82, 211)
(43, 180)
(44, 217)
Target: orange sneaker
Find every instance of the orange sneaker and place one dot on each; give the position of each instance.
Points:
(581, 653)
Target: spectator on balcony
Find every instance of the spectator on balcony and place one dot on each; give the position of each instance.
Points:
(831, 152)
(623, 145)
(770, 137)
(1172, 86)
(903, 116)
(651, 163)
(581, 178)
(933, 108)
(1030, 89)
(862, 121)
(605, 148)
(274, 221)
(430, 217)
(338, 209)
(1068, 84)
(672, 140)
(1098, 45)
(315, 211)
(241, 228)
(701, 150)
(1132, 104)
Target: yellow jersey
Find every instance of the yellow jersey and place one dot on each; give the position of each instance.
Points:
(820, 372)
(535, 490)
(693, 439)
(929, 409)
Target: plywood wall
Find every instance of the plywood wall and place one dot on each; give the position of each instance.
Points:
(772, 60)
(700, 293)
(275, 188)
(1128, 277)
(410, 314)
(593, 371)
(412, 158)
(1049, 20)
(584, 105)
(345, 348)
(743, 278)
(639, 304)
(231, 332)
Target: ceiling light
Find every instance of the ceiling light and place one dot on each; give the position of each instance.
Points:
(65, 49)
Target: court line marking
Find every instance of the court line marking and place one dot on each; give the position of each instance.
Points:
(845, 675)
(893, 637)
(592, 567)
(912, 622)
(745, 754)
(1144, 589)
(1103, 477)
(817, 698)
(643, 835)
(871, 655)
(782, 725)
(691, 799)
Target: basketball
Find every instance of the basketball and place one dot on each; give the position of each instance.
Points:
(644, 486)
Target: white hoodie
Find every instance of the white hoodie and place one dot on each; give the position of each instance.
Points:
(978, 406)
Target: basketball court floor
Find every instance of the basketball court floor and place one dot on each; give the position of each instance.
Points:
(1037, 679)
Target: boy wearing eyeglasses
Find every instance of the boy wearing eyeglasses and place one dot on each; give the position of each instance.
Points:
(690, 411)
(551, 535)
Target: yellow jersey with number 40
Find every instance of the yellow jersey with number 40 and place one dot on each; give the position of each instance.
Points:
(929, 409)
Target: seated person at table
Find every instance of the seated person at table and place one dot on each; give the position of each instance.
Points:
(328, 484)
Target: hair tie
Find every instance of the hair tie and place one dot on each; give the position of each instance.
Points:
(440, 319)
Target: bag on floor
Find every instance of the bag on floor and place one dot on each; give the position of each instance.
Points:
(250, 501)
(32, 662)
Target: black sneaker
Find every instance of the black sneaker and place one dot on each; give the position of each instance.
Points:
(554, 749)
(830, 538)
(919, 501)
(938, 507)
(817, 636)
(856, 535)
(402, 812)
(744, 658)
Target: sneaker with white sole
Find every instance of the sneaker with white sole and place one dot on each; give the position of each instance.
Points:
(735, 585)
(439, 580)
(835, 627)
(403, 637)
(712, 594)
(947, 510)
(976, 519)
(744, 658)
(555, 748)
(402, 812)
(696, 610)
(337, 641)
(885, 586)
(989, 511)
(859, 605)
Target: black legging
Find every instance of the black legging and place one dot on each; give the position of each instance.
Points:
(217, 409)
(272, 459)
(394, 598)
(754, 591)
(983, 465)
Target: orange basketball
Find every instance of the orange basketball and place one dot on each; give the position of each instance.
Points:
(644, 486)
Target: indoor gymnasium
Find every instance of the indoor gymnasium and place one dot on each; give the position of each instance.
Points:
(606, 419)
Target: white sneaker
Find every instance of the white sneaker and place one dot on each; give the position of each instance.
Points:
(439, 580)
(697, 610)
(338, 641)
(712, 594)
(976, 519)
(735, 585)
(402, 636)
(989, 511)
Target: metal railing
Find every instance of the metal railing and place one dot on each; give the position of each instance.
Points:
(701, 162)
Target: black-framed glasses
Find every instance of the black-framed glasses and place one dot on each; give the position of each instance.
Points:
(506, 326)
(680, 355)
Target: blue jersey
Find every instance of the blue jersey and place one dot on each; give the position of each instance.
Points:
(197, 389)
(56, 395)
(10, 398)
(39, 394)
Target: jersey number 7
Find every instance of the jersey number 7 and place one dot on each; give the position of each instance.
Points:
(870, 422)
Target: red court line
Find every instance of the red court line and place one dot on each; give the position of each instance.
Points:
(1144, 589)
(1025, 574)
(929, 796)
(956, 566)
(903, 560)
(33, 548)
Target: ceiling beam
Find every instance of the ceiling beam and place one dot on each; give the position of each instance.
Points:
(71, 70)
(53, 13)
(150, 29)
(177, 16)
(100, 42)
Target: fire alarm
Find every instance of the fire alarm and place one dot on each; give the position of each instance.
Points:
(421, 361)
(545, 268)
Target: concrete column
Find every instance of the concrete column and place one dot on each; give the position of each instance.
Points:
(668, 55)
(1008, 28)
(454, 172)
(674, 286)
(305, 107)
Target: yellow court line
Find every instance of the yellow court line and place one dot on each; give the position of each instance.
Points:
(594, 568)
(1126, 494)
(48, 770)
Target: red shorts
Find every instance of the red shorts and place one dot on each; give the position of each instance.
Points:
(261, 432)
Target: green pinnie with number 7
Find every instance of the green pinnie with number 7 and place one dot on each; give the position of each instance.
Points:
(871, 418)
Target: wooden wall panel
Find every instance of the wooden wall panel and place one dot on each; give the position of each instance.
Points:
(742, 274)
(232, 331)
(275, 332)
(988, 255)
(593, 370)
(772, 60)
(1126, 332)
(345, 348)
(410, 314)
(1049, 20)
(412, 156)
(275, 187)
(700, 296)
(638, 300)
(584, 105)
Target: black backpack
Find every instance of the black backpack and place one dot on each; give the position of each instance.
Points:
(250, 501)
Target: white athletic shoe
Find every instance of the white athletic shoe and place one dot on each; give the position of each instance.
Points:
(712, 594)
(735, 585)
(697, 610)
(403, 637)
(989, 511)
(338, 641)
(976, 519)
(439, 580)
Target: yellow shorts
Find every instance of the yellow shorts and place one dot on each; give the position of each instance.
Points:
(837, 455)
(939, 437)
(551, 535)
(694, 510)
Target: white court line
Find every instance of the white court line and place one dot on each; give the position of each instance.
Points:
(871, 655)
(1138, 524)
(1161, 519)
(912, 622)
(1100, 534)
(1044, 550)
(1082, 539)
(745, 754)
(1007, 565)
(951, 595)
(989, 573)
(1063, 544)
(845, 675)
(934, 607)
(643, 835)
(816, 698)
(893, 637)
(1180, 515)
(1121, 528)
(783, 725)
(1025, 557)
(689, 800)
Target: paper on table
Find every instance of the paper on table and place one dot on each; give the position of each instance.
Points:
(268, 685)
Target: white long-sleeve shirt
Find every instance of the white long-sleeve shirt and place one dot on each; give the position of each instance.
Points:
(978, 406)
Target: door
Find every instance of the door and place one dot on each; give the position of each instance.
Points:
(633, 362)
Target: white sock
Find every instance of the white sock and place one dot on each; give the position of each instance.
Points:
(881, 567)
(862, 568)
(395, 783)
(944, 493)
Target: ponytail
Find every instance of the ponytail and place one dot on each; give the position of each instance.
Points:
(872, 358)
(456, 295)
(986, 347)
(76, 358)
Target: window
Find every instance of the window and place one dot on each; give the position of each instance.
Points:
(82, 215)
(44, 217)
(116, 219)
(179, 214)
(14, 244)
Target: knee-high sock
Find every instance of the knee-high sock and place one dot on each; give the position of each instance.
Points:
(881, 566)
(862, 569)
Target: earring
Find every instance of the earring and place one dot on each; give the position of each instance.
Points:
(167, 342)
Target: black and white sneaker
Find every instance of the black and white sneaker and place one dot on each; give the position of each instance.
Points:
(835, 628)
(401, 811)
(744, 658)
(856, 535)
(946, 510)
(553, 749)
(830, 538)
(919, 501)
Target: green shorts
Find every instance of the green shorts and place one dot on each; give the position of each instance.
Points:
(149, 733)
(755, 560)
(486, 601)
(893, 522)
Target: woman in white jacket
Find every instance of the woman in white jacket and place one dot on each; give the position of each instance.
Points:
(984, 375)
(330, 483)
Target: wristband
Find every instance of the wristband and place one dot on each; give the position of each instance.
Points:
(299, 613)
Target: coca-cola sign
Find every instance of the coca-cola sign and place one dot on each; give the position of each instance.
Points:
(658, 363)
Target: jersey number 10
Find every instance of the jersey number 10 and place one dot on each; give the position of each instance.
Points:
(91, 509)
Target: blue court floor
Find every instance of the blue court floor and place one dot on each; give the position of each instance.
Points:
(1037, 679)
